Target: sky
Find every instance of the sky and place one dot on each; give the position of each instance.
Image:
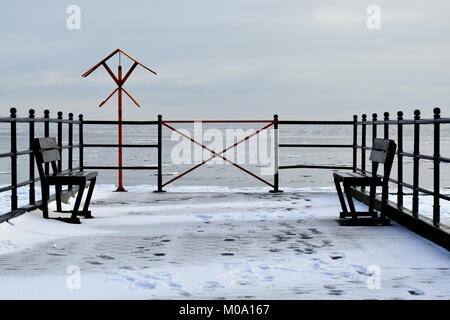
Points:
(312, 60)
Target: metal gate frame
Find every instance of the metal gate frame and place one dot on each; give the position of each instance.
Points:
(219, 154)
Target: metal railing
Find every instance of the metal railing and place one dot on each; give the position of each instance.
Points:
(158, 146)
(315, 123)
(437, 159)
(14, 153)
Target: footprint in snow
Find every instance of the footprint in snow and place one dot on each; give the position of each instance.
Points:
(337, 255)
(415, 292)
(211, 285)
(314, 231)
(336, 292)
(105, 257)
(361, 270)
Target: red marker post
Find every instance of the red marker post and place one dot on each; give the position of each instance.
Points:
(119, 80)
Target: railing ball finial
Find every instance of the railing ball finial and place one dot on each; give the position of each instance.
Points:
(31, 113)
(437, 113)
(364, 117)
(355, 117)
(46, 113)
(80, 117)
(13, 112)
(275, 117)
(400, 115)
(159, 117)
(70, 116)
(60, 114)
(416, 114)
(374, 116)
(386, 116)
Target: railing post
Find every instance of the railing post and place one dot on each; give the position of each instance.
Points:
(47, 134)
(31, 190)
(363, 143)
(355, 142)
(60, 115)
(363, 146)
(399, 159)
(13, 151)
(415, 199)
(70, 142)
(436, 165)
(374, 126)
(80, 142)
(374, 133)
(160, 183)
(276, 182)
(386, 125)
(386, 136)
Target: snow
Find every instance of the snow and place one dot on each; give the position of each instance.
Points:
(217, 243)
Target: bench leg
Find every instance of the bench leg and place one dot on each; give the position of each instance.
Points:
(341, 198)
(384, 199)
(373, 189)
(44, 191)
(350, 200)
(58, 197)
(88, 198)
(78, 201)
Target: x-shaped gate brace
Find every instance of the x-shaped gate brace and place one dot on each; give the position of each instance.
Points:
(218, 154)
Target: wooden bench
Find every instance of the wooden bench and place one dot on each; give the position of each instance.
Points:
(383, 151)
(46, 151)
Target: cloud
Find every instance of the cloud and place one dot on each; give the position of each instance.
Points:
(351, 17)
(40, 79)
(332, 17)
(199, 72)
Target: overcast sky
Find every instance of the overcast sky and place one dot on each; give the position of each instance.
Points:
(229, 59)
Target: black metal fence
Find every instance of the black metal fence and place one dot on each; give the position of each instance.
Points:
(416, 155)
(158, 146)
(14, 153)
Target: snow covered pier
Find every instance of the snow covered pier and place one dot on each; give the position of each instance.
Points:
(214, 244)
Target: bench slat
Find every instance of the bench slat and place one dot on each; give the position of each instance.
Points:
(50, 155)
(378, 156)
(47, 143)
(381, 144)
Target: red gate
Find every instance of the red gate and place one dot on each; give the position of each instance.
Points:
(220, 154)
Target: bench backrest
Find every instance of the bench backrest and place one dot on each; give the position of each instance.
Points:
(383, 151)
(46, 151)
